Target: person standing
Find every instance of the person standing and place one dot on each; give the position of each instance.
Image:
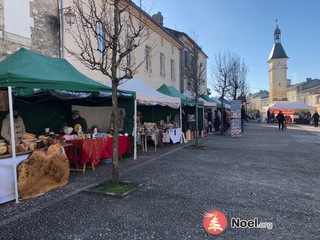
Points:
(301, 117)
(258, 116)
(184, 119)
(209, 119)
(281, 120)
(19, 127)
(217, 120)
(315, 118)
(272, 117)
(268, 116)
(76, 121)
(308, 117)
(244, 117)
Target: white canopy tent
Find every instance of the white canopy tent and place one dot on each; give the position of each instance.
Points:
(146, 95)
(287, 107)
(284, 105)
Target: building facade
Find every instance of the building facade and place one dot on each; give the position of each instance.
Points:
(39, 25)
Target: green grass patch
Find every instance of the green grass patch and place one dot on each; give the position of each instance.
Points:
(121, 188)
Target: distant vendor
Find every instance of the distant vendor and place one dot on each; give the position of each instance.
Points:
(19, 128)
(76, 121)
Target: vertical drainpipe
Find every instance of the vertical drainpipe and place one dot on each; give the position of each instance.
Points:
(60, 11)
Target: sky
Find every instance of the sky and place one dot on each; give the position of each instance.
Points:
(246, 28)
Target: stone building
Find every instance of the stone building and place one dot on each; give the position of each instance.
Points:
(32, 24)
(186, 54)
(40, 25)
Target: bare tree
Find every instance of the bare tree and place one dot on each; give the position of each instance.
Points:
(196, 75)
(222, 70)
(106, 34)
(237, 80)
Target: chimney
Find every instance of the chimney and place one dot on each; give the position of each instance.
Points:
(308, 79)
(158, 18)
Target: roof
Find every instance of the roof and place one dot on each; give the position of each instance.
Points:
(262, 94)
(277, 52)
(309, 85)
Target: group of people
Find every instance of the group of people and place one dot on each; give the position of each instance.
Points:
(213, 120)
(270, 116)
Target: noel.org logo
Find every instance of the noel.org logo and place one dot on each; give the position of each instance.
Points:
(214, 222)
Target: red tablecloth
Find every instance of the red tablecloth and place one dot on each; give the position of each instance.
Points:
(123, 147)
(91, 150)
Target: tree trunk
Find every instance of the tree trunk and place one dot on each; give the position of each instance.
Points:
(115, 157)
(197, 127)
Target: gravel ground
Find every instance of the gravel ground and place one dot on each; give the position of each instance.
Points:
(79, 182)
(266, 174)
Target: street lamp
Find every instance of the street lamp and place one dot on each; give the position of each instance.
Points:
(69, 15)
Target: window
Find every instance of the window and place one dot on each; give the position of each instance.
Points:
(172, 70)
(192, 62)
(185, 84)
(172, 49)
(129, 47)
(17, 18)
(162, 65)
(101, 37)
(147, 58)
(161, 42)
(309, 100)
(185, 64)
(148, 33)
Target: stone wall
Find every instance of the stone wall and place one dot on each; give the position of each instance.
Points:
(45, 33)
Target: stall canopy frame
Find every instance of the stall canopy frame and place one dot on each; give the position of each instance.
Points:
(28, 70)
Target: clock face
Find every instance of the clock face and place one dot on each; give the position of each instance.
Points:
(279, 63)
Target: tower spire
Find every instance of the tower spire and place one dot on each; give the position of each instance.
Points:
(277, 33)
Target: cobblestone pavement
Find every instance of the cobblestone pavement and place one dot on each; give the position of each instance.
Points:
(266, 174)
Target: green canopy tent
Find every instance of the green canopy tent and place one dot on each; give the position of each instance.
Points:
(25, 73)
(187, 103)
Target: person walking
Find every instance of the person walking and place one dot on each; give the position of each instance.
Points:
(281, 120)
(268, 116)
(315, 118)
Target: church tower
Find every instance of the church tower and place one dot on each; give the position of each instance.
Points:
(277, 70)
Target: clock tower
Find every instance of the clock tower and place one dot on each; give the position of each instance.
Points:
(277, 70)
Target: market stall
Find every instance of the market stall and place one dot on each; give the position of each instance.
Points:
(148, 103)
(288, 109)
(188, 106)
(34, 79)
